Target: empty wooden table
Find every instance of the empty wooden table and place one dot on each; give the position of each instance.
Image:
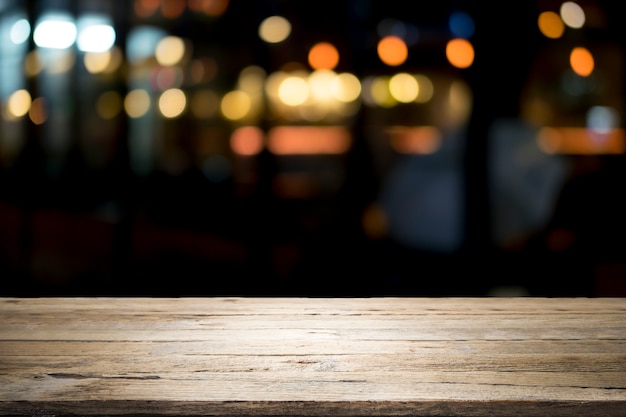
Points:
(313, 356)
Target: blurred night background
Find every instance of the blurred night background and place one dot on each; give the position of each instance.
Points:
(312, 148)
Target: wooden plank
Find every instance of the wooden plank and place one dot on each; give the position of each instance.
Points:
(313, 356)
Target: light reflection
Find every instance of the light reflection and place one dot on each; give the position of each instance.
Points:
(307, 140)
(247, 140)
(581, 141)
(414, 140)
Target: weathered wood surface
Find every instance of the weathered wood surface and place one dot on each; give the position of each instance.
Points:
(313, 356)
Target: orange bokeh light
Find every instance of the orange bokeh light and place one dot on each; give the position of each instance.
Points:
(323, 56)
(581, 61)
(392, 50)
(550, 25)
(247, 140)
(460, 53)
(308, 140)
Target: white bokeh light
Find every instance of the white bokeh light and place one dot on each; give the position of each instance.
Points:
(55, 32)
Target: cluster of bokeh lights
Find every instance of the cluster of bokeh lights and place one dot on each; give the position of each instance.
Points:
(313, 94)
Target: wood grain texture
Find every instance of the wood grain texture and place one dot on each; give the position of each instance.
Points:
(313, 356)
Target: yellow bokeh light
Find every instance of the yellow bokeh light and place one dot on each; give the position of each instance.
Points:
(19, 103)
(38, 112)
(403, 87)
(109, 105)
(581, 61)
(33, 64)
(323, 56)
(550, 25)
(236, 105)
(293, 91)
(572, 15)
(380, 93)
(137, 103)
(172, 103)
(321, 84)
(62, 62)
(460, 53)
(204, 104)
(392, 50)
(97, 62)
(247, 140)
(170, 50)
(346, 87)
(274, 29)
(426, 90)
(460, 103)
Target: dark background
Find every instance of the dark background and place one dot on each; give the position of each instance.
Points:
(80, 229)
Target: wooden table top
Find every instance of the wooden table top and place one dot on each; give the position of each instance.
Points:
(313, 356)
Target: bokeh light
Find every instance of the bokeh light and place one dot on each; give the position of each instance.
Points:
(20, 31)
(572, 14)
(170, 50)
(403, 87)
(19, 103)
(550, 25)
(137, 103)
(392, 50)
(38, 112)
(274, 29)
(293, 91)
(323, 55)
(346, 87)
(172, 103)
(97, 62)
(380, 93)
(109, 105)
(461, 25)
(55, 32)
(33, 64)
(236, 105)
(425, 90)
(204, 104)
(582, 61)
(96, 38)
(247, 140)
(321, 85)
(460, 53)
